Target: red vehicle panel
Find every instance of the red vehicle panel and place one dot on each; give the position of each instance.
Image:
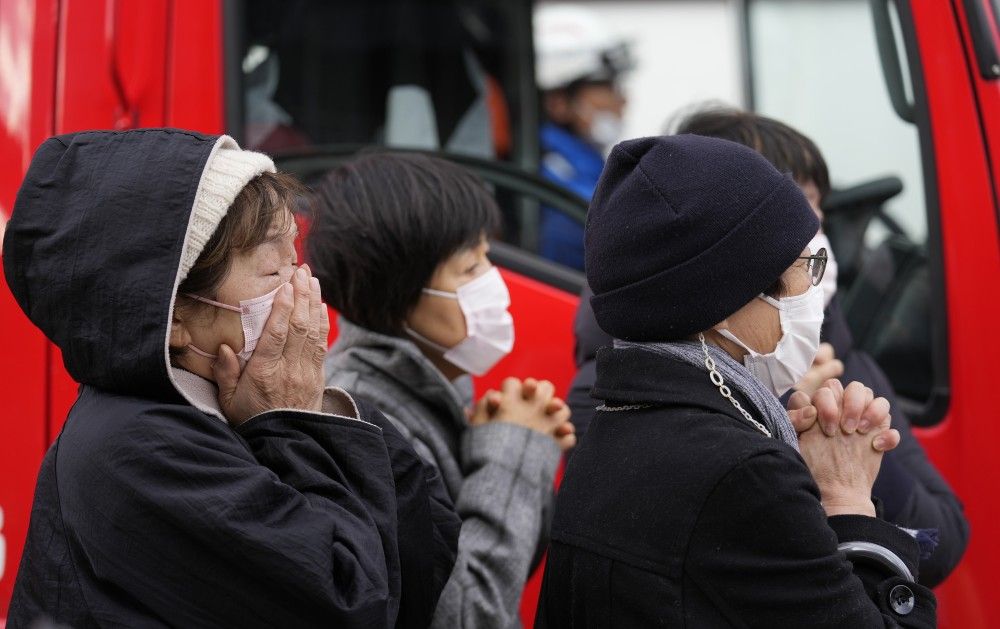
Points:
(194, 89)
(28, 32)
(80, 65)
(543, 348)
(972, 264)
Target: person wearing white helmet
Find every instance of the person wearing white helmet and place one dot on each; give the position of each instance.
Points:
(578, 66)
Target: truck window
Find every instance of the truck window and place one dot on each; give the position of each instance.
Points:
(309, 76)
(434, 75)
(815, 65)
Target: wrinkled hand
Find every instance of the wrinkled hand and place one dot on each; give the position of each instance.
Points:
(532, 404)
(843, 446)
(286, 367)
(801, 411)
(858, 410)
(825, 366)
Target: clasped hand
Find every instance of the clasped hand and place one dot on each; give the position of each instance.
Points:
(532, 404)
(843, 434)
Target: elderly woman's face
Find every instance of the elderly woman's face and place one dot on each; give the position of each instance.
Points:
(252, 273)
(758, 323)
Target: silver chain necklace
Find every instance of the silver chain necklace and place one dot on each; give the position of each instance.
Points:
(716, 377)
(626, 407)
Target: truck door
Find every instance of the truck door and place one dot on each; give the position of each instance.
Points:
(76, 66)
(903, 99)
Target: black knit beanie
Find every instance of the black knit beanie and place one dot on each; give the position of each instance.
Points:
(684, 230)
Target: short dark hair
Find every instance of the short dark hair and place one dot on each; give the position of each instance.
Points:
(787, 149)
(383, 223)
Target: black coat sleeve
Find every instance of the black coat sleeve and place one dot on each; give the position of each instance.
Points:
(301, 529)
(324, 464)
(764, 551)
(428, 526)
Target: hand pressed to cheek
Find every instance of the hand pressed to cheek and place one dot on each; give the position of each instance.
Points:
(252, 275)
(286, 369)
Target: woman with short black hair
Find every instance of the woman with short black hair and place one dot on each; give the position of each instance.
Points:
(399, 244)
(385, 222)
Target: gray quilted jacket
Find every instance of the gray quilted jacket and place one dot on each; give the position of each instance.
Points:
(499, 475)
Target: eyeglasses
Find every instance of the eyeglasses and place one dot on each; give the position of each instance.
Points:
(816, 266)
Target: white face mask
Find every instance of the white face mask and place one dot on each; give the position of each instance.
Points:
(829, 282)
(801, 319)
(489, 328)
(253, 315)
(606, 128)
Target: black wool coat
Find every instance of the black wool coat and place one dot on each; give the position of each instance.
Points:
(913, 492)
(674, 511)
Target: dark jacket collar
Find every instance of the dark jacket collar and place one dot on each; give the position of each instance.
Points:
(636, 376)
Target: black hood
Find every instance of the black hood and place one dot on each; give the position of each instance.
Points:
(93, 248)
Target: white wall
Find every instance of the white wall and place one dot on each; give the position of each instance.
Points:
(816, 67)
(687, 52)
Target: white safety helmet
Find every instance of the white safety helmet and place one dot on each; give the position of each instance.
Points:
(572, 44)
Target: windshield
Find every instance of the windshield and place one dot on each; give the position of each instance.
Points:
(435, 75)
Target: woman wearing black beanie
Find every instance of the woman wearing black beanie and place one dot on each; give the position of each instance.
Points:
(696, 499)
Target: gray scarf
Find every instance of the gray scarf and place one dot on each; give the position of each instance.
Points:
(735, 376)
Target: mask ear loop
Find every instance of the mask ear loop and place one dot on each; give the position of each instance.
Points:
(726, 334)
(423, 339)
(202, 352)
(783, 303)
(440, 293)
(212, 303)
(217, 304)
(420, 337)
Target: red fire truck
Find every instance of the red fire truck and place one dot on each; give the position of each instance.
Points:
(313, 82)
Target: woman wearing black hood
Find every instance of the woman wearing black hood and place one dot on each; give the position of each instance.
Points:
(204, 477)
(695, 499)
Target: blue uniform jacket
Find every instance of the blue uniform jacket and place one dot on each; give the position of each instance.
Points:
(575, 164)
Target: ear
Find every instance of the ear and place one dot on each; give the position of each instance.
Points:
(179, 335)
